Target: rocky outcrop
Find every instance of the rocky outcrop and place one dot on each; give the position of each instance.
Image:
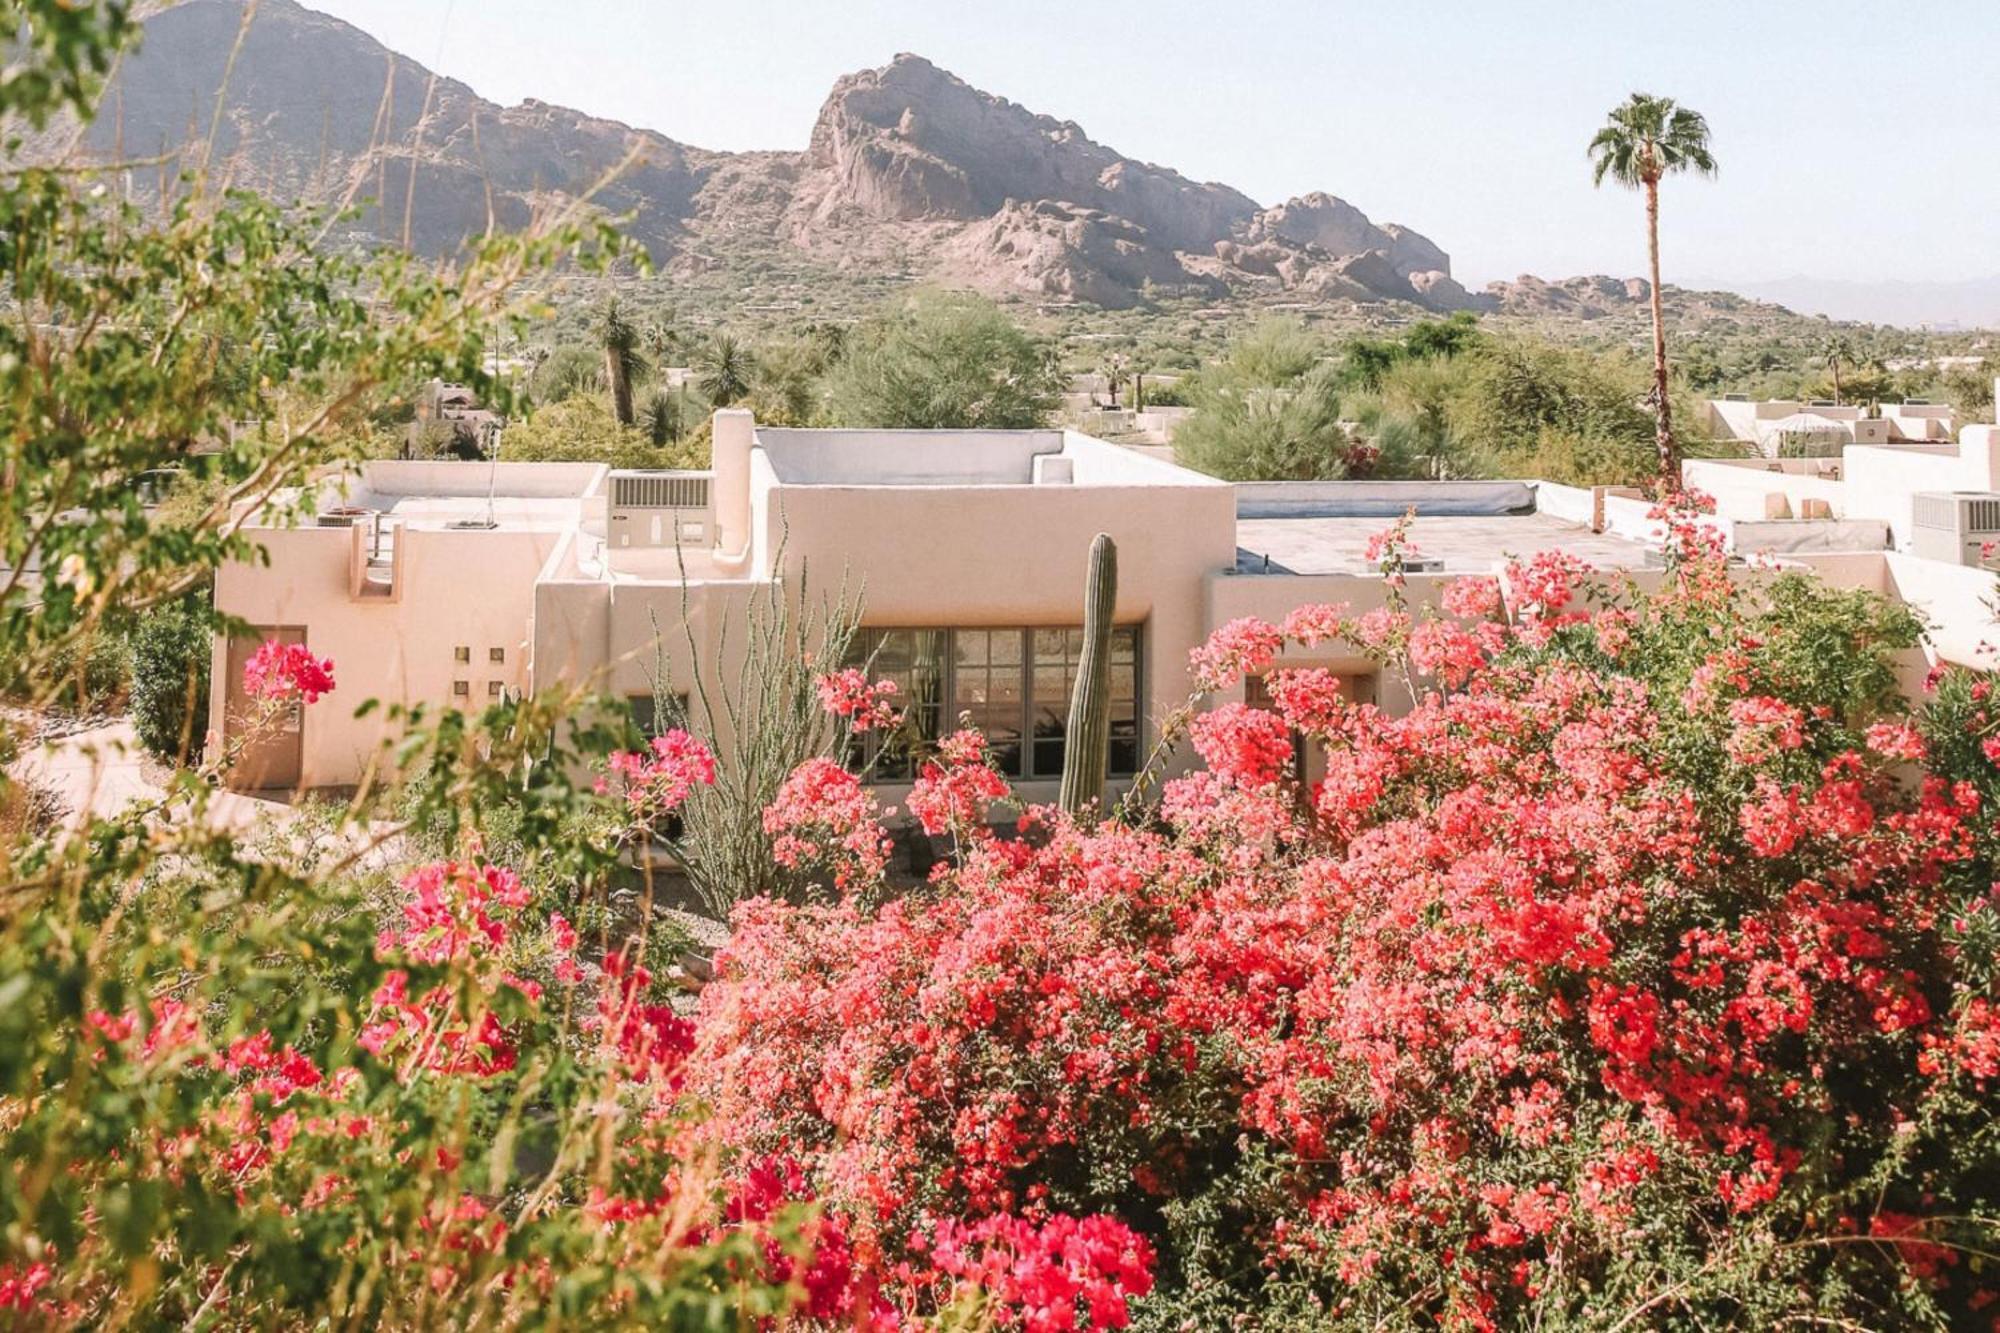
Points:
(322, 113)
(1321, 220)
(1051, 250)
(1440, 291)
(911, 141)
(1339, 228)
(1413, 252)
(1592, 297)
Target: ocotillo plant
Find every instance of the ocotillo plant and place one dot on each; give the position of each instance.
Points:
(1087, 739)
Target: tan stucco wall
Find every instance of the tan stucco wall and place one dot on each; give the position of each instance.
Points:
(1017, 555)
(471, 588)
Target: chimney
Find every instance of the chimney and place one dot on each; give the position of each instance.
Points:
(733, 434)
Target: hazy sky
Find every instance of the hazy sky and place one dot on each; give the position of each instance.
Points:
(1857, 140)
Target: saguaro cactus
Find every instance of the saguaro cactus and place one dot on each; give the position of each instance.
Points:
(1087, 739)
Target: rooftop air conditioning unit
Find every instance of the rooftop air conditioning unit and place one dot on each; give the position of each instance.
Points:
(661, 509)
(1423, 564)
(1952, 526)
(1735, 397)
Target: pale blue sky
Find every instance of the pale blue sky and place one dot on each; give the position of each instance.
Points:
(1858, 140)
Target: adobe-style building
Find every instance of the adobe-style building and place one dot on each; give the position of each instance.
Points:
(455, 583)
(1789, 427)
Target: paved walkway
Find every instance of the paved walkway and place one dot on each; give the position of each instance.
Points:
(102, 771)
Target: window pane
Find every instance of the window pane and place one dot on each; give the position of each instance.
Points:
(914, 660)
(989, 691)
(644, 715)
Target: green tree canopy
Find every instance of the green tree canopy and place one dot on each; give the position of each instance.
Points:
(1269, 411)
(943, 362)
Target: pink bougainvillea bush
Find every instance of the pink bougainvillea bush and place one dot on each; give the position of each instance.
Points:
(237, 1094)
(287, 671)
(1641, 976)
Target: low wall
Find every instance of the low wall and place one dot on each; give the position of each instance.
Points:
(1571, 504)
(1740, 490)
(1381, 499)
(1793, 535)
(1958, 602)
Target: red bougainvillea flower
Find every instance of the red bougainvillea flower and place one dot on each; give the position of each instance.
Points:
(287, 671)
(1764, 727)
(1897, 740)
(1064, 1273)
(1315, 624)
(1543, 586)
(953, 792)
(1476, 598)
(1243, 647)
(1250, 747)
(822, 816)
(866, 706)
(658, 780)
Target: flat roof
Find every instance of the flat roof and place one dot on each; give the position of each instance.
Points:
(517, 513)
(1472, 544)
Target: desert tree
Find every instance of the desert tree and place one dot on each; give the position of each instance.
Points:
(724, 370)
(619, 338)
(1837, 350)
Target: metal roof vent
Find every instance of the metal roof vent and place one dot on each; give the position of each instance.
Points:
(1953, 526)
(662, 509)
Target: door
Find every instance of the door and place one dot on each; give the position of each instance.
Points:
(268, 740)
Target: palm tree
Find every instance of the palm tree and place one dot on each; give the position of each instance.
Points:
(620, 341)
(1836, 349)
(1645, 139)
(725, 367)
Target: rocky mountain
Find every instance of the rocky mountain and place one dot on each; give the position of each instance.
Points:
(909, 171)
(319, 112)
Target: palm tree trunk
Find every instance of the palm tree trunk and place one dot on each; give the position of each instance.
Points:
(1836, 381)
(619, 380)
(1670, 458)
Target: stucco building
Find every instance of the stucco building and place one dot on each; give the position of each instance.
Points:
(453, 584)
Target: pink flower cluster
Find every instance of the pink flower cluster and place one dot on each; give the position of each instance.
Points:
(1049, 1277)
(953, 792)
(1244, 647)
(1248, 747)
(658, 780)
(866, 706)
(823, 817)
(1764, 727)
(279, 671)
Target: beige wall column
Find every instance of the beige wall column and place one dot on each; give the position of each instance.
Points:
(732, 436)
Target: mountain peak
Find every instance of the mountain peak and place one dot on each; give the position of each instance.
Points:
(908, 165)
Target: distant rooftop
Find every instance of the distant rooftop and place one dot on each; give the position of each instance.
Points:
(801, 457)
(1467, 544)
(537, 497)
(1324, 527)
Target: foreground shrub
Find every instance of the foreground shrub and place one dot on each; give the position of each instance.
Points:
(170, 663)
(1641, 976)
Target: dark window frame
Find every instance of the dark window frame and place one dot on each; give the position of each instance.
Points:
(1034, 759)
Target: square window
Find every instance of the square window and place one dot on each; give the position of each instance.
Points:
(493, 689)
(462, 653)
(461, 689)
(496, 654)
